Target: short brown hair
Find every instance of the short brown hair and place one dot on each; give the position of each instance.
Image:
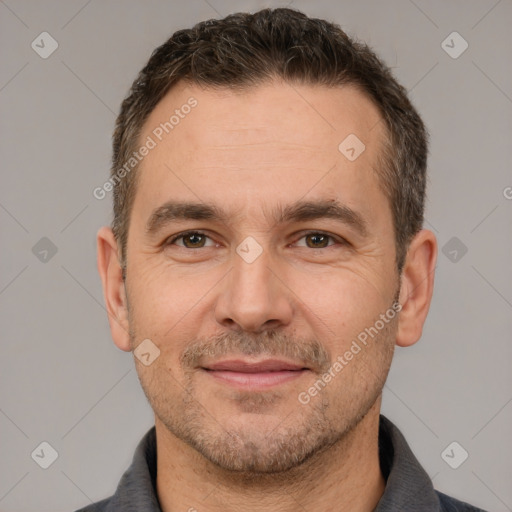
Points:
(244, 50)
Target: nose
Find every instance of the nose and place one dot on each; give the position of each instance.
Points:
(253, 298)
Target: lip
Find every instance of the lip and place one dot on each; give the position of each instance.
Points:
(254, 375)
(243, 366)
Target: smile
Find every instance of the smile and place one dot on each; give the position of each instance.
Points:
(254, 376)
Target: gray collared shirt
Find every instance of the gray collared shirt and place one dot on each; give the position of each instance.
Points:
(408, 487)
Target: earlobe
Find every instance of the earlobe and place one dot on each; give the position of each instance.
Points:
(114, 293)
(416, 288)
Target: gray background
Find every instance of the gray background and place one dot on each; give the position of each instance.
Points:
(62, 379)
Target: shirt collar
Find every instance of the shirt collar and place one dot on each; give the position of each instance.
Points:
(408, 487)
(137, 488)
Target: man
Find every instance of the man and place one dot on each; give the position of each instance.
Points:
(266, 255)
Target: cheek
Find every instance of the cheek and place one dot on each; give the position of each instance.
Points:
(341, 301)
(156, 305)
(169, 309)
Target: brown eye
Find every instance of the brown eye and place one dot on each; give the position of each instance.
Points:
(190, 240)
(194, 240)
(317, 240)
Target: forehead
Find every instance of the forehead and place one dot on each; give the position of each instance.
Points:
(296, 139)
(295, 113)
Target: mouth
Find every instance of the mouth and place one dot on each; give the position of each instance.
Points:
(248, 375)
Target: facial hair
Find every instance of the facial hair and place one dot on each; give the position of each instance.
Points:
(245, 447)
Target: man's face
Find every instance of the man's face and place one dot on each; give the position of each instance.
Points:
(255, 307)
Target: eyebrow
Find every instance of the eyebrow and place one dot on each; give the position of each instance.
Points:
(176, 211)
(322, 209)
(300, 211)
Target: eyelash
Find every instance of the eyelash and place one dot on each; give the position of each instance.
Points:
(339, 240)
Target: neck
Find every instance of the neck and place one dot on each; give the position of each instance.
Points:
(343, 477)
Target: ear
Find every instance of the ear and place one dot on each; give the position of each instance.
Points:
(416, 287)
(113, 288)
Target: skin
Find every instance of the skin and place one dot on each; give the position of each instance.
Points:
(224, 448)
